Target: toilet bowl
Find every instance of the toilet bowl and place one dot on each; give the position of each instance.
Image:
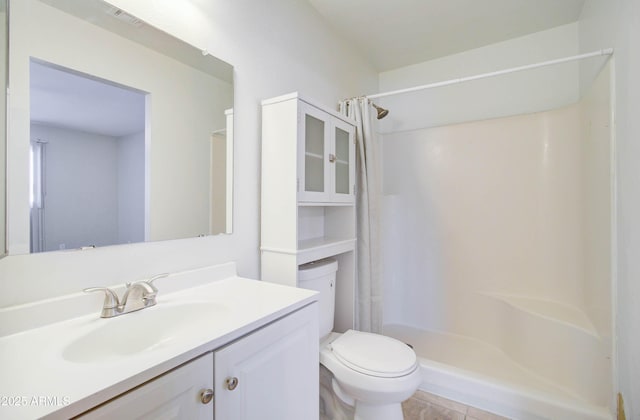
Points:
(371, 372)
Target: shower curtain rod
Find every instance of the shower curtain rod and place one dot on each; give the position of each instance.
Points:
(607, 51)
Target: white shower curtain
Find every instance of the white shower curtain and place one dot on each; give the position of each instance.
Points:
(368, 284)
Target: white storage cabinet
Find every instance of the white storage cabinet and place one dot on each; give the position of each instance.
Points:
(308, 194)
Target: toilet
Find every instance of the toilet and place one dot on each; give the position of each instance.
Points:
(371, 372)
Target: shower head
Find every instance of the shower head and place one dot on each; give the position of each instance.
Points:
(381, 111)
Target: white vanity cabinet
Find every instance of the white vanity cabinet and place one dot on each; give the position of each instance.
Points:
(308, 209)
(271, 373)
(179, 394)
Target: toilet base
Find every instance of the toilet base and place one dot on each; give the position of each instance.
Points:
(366, 411)
(339, 406)
(331, 406)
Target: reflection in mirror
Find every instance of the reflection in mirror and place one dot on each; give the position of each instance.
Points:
(3, 126)
(128, 132)
(87, 161)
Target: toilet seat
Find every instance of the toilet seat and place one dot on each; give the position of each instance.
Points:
(374, 355)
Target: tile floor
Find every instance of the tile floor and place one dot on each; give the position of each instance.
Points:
(424, 406)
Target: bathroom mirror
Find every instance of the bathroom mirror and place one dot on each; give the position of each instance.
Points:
(120, 133)
(4, 37)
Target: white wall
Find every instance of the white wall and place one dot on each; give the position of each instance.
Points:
(616, 23)
(517, 93)
(276, 46)
(81, 205)
(95, 188)
(131, 195)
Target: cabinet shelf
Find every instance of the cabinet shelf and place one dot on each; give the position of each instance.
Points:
(318, 248)
(320, 204)
(315, 249)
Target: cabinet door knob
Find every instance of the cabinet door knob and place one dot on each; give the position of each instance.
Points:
(206, 395)
(332, 158)
(232, 383)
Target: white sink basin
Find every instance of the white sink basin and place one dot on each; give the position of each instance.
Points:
(144, 330)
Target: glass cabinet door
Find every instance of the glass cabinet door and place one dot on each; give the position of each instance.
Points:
(343, 160)
(314, 162)
(326, 170)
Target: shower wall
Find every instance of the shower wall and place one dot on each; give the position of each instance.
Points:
(487, 206)
(511, 211)
(597, 170)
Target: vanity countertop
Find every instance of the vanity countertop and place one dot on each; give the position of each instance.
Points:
(45, 372)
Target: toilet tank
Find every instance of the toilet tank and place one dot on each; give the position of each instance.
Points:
(321, 276)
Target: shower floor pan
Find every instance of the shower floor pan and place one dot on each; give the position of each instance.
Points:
(475, 373)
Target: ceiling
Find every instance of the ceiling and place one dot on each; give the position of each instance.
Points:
(397, 33)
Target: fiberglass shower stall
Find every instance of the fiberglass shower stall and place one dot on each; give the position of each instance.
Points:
(496, 239)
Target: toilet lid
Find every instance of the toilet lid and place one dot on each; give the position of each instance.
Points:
(374, 354)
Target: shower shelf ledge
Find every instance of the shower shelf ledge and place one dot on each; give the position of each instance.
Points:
(553, 311)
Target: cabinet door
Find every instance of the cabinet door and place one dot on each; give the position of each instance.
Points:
(343, 162)
(272, 373)
(174, 395)
(313, 171)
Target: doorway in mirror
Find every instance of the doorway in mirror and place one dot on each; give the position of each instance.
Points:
(87, 160)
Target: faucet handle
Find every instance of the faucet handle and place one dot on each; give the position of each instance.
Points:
(156, 277)
(149, 281)
(110, 297)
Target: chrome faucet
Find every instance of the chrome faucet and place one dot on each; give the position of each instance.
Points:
(139, 295)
